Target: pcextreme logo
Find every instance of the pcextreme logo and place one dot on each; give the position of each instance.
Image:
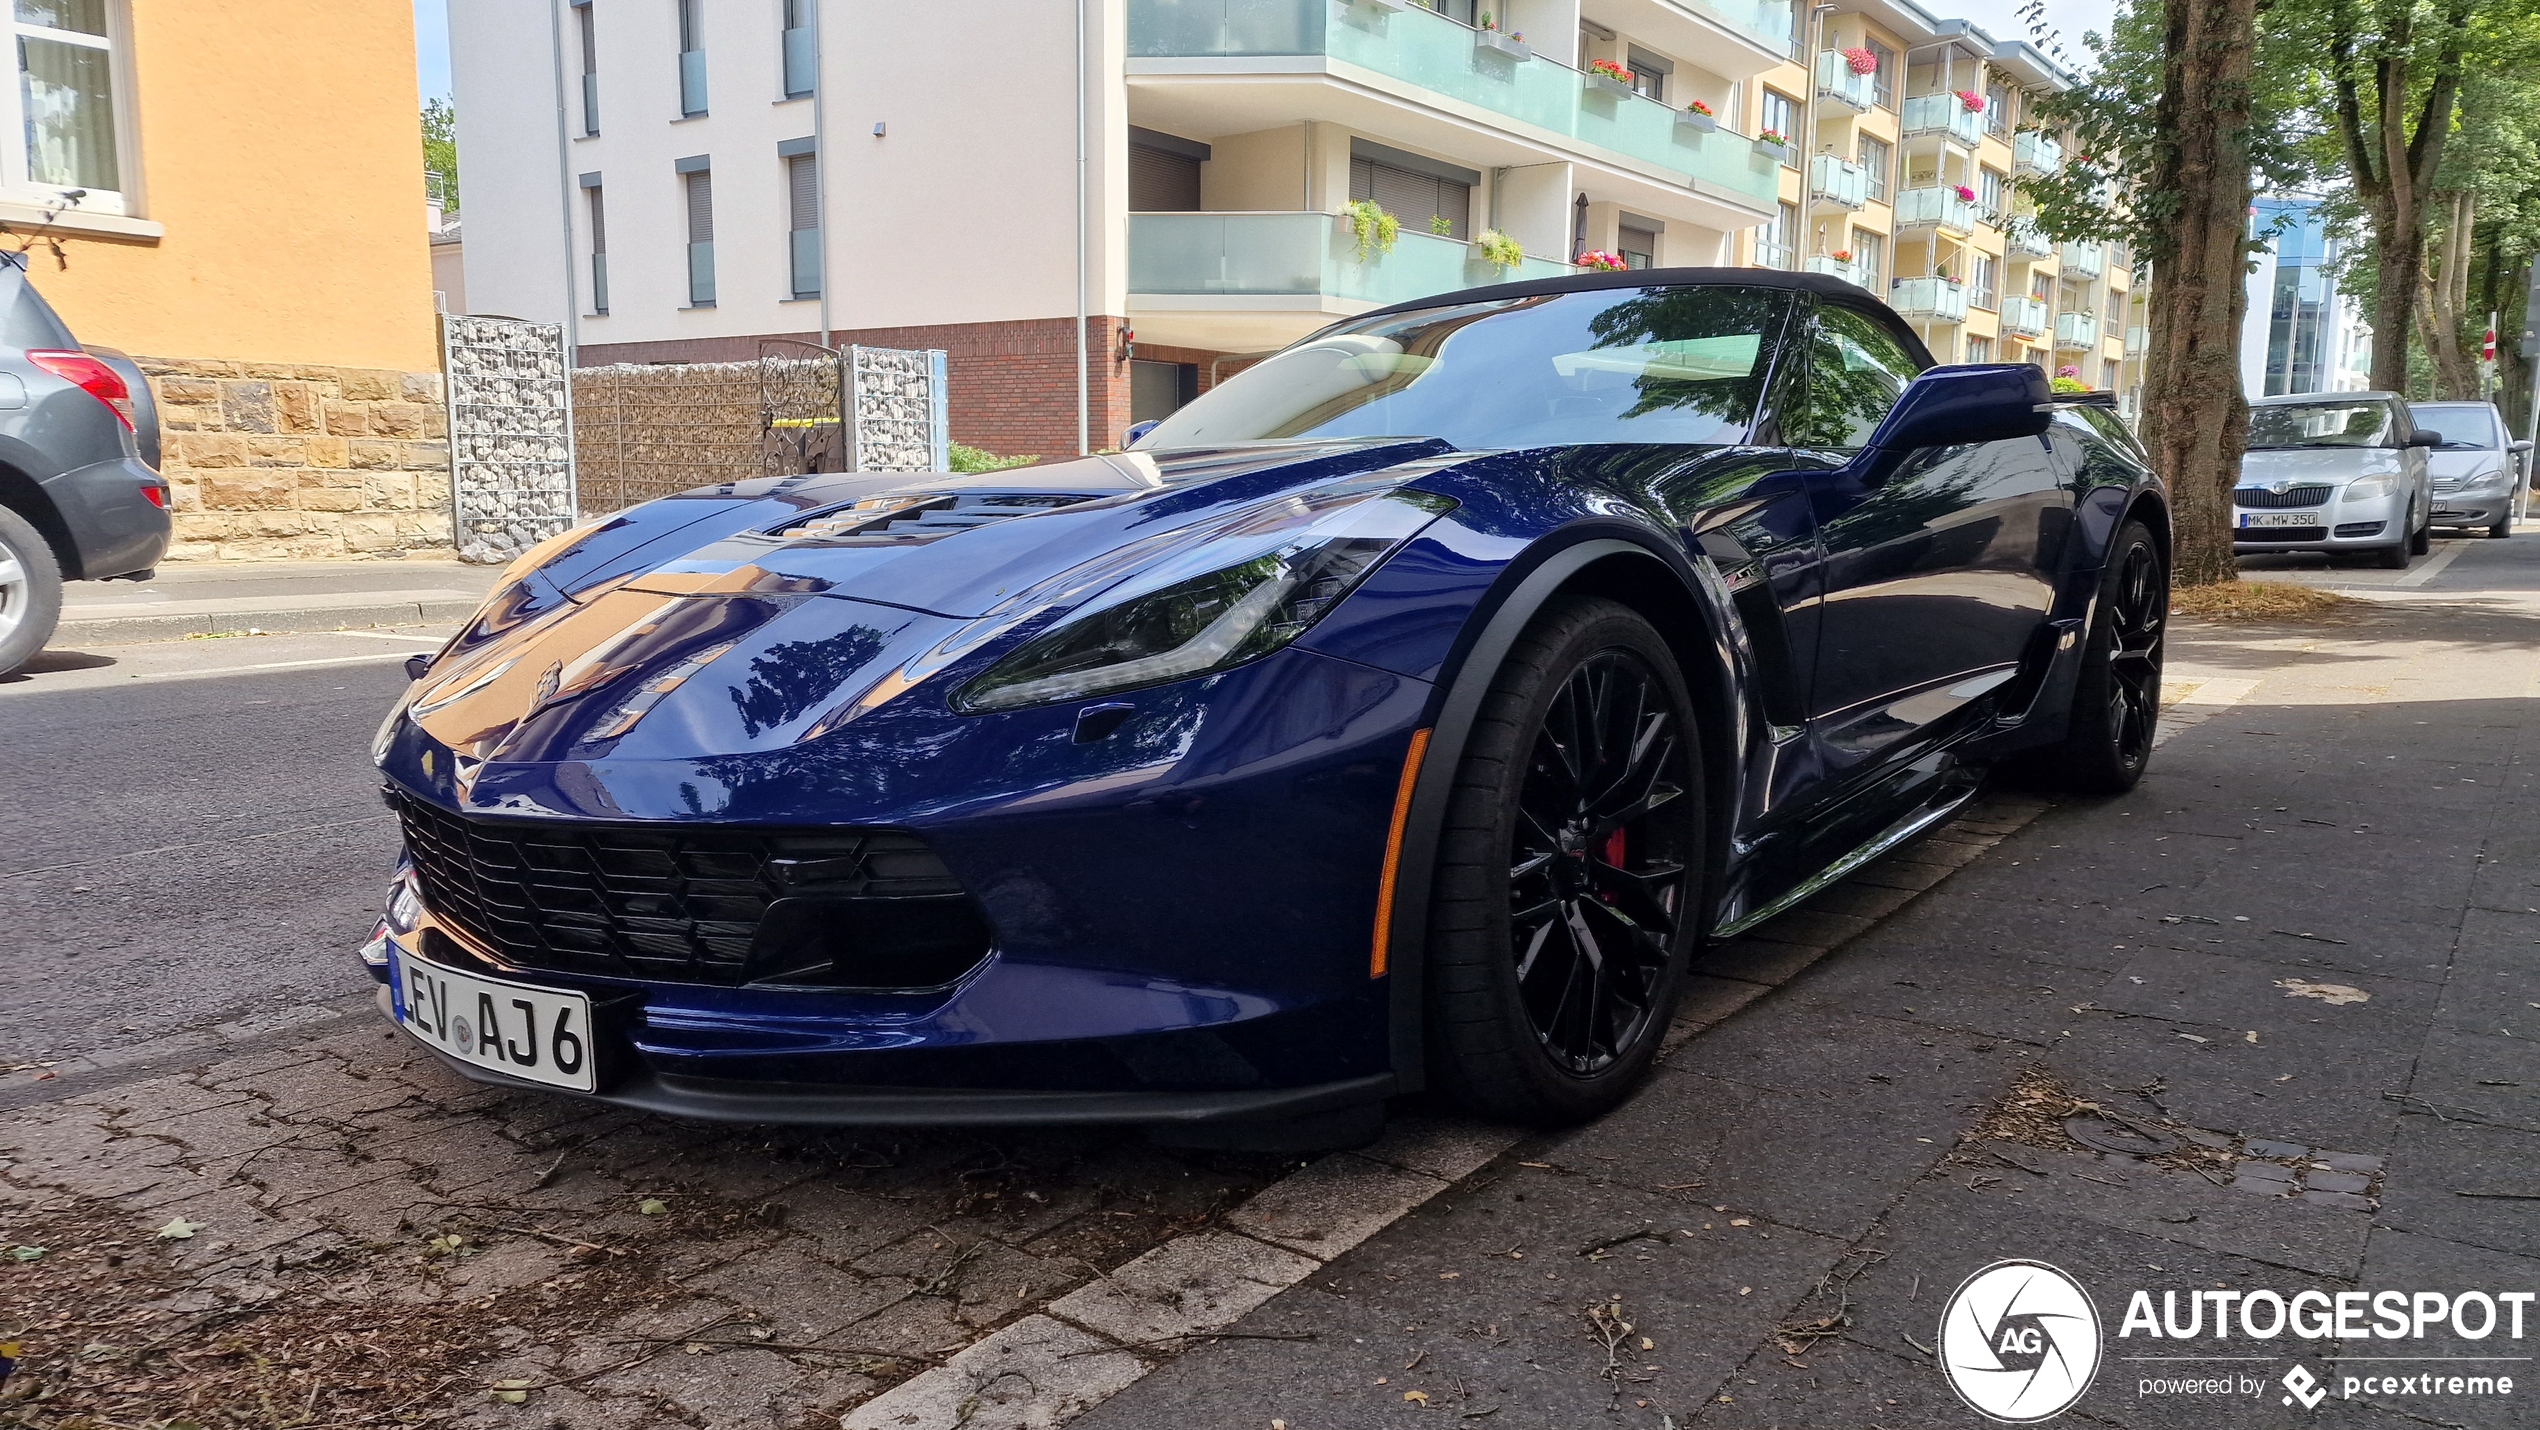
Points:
(2019, 1342)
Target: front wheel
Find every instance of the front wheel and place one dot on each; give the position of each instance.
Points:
(2395, 556)
(30, 591)
(2117, 697)
(2423, 539)
(1567, 873)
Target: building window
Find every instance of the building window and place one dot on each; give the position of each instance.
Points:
(1649, 74)
(1869, 258)
(1883, 79)
(1979, 348)
(802, 203)
(1781, 115)
(2107, 375)
(586, 30)
(1162, 179)
(692, 58)
(1639, 246)
(65, 94)
(796, 44)
(1984, 271)
(1418, 200)
(1159, 389)
(1457, 10)
(599, 245)
(1773, 240)
(1997, 108)
(700, 185)
(1993, 195)
(1877, 156)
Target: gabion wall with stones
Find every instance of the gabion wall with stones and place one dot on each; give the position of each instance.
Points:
(896, 409)
(511, 435)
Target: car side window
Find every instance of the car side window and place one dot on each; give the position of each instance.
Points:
(1856, 371)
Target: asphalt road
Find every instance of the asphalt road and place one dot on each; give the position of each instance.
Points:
(192, 835)
(2456, 564)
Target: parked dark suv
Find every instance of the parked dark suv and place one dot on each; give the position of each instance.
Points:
(79, 500)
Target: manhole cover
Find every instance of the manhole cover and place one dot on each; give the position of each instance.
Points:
(2126, 1139)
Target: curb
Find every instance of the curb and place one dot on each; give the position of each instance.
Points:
(101, 628)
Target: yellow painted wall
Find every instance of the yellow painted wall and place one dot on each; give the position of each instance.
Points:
(279, 145)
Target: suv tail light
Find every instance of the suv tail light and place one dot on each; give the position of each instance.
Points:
(91, 375)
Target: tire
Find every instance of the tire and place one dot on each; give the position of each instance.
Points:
(2423, 541)
(1536, 868)
(2396, 555)
(30, 591)
(2502, 527)
(2117, 698)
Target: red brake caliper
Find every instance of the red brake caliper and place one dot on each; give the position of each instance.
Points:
(1612, 854)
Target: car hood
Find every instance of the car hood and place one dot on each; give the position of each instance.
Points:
(2266, 466)
(785, 618)
(2454, 465)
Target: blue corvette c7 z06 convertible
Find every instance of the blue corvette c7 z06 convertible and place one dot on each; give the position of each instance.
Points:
(1402, 714)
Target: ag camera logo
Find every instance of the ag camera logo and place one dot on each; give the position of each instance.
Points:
(2019, 1342)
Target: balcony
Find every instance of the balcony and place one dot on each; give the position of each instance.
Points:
(1936, 208)
(1418, 57)
(1242, 281)
(2084, 260)
(1943, 114)
(2077, 330)
(1836, 81)
(2138, 340)
(2021, 238)
(1938, 300)
(2034, 153)
(2024, 317)
(1838, 181)
(1834, 268)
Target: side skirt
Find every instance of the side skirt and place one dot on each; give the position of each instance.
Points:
(1937, 810)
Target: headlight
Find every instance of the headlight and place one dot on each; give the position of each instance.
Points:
(2482, 481)
(2371, 488)
(1228, 599)
(387, 735)
(405, 903)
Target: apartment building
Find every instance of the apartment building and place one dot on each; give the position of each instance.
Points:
(680, 178)
(1908, 184)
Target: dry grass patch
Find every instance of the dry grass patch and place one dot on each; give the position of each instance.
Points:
(2258, 601)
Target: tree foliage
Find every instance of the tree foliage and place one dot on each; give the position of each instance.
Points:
(441, 149)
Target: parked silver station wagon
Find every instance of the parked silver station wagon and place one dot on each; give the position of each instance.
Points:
(2334, 471)
(2475, 469)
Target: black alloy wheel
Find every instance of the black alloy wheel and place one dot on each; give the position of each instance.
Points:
(1568, 871)
(2117, 696)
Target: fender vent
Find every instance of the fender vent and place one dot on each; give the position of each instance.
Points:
(921, 516)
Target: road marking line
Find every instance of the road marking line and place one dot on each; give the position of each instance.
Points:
(2432, 568)
(384, 636)
(268, 665)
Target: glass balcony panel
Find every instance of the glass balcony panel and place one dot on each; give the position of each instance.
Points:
(1422, 48)
(1943, 113)
(1938, 206)
(2036, 153)
(2024, 315)
(1836, 81)
(2024, 240)
(2084, 260)
(1302, 254)
(1935, 298)
(1833, 268)
(2076, 330)
(1838, 181)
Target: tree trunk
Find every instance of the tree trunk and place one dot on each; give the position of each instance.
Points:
(2513, 370)
(2195, 419)
(2446, 296)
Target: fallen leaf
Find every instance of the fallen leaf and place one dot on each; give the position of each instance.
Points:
(2330, 993)
(652, 1206)
(1449, 1275)
(1417, 1397)
(447, 1245)
(2253, 1035)
(2191, 1037)
(1647, 1344)
(1738, 1221)
(1745, 1290)
(26, 1253)
(511, 1392)
(179, 1229)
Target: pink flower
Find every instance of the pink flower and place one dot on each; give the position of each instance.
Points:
(1972, 101)
(1698, 107)
(1861, 61)
(2068, 370)
(1600, 259)
(1966, 195)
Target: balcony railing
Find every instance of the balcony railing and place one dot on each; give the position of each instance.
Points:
(2025, 317)
(2076, 330)
(2034, 153)
(1943, 113)
(1836, 81)
(1421, 48)
(1940, 207)
(1833, 268)
(1938, 299)
(2022, 239)
(1302, 254)
(1838, 181)
(1769, 254)
(2138, 340)
(2084, 260)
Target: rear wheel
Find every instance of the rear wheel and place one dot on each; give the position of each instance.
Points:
(30, 591)
(1567, 871)
(2117, 698)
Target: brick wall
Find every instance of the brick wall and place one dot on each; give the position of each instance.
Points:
(276, 461)
(1013, 383)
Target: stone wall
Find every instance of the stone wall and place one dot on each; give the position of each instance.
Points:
(278, 461)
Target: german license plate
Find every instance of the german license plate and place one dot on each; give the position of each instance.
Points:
(537, 1034)
(2278, 518)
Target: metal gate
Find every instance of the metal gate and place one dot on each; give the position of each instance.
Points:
(801, 415)
(511, 434)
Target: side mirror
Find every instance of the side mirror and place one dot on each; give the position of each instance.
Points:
(2519, 447)
(1967, 403)
(2423, 438)
(1136, 430)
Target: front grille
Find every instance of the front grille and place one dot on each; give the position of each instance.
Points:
(2259, 498)
(726, 906)
(2246, 535)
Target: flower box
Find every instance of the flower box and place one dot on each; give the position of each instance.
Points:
(1780, 151)
(1600, 83)
(1696, 120)
(1498, 43)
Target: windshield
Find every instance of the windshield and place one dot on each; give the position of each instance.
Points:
(2320, 424)
(1671, 364)
(2466, 426)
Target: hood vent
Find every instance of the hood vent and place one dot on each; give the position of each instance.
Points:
(905, 517)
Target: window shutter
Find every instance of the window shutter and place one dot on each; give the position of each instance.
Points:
(701, 207)
(1412, 198)
(1161, 181)
(802, 191)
